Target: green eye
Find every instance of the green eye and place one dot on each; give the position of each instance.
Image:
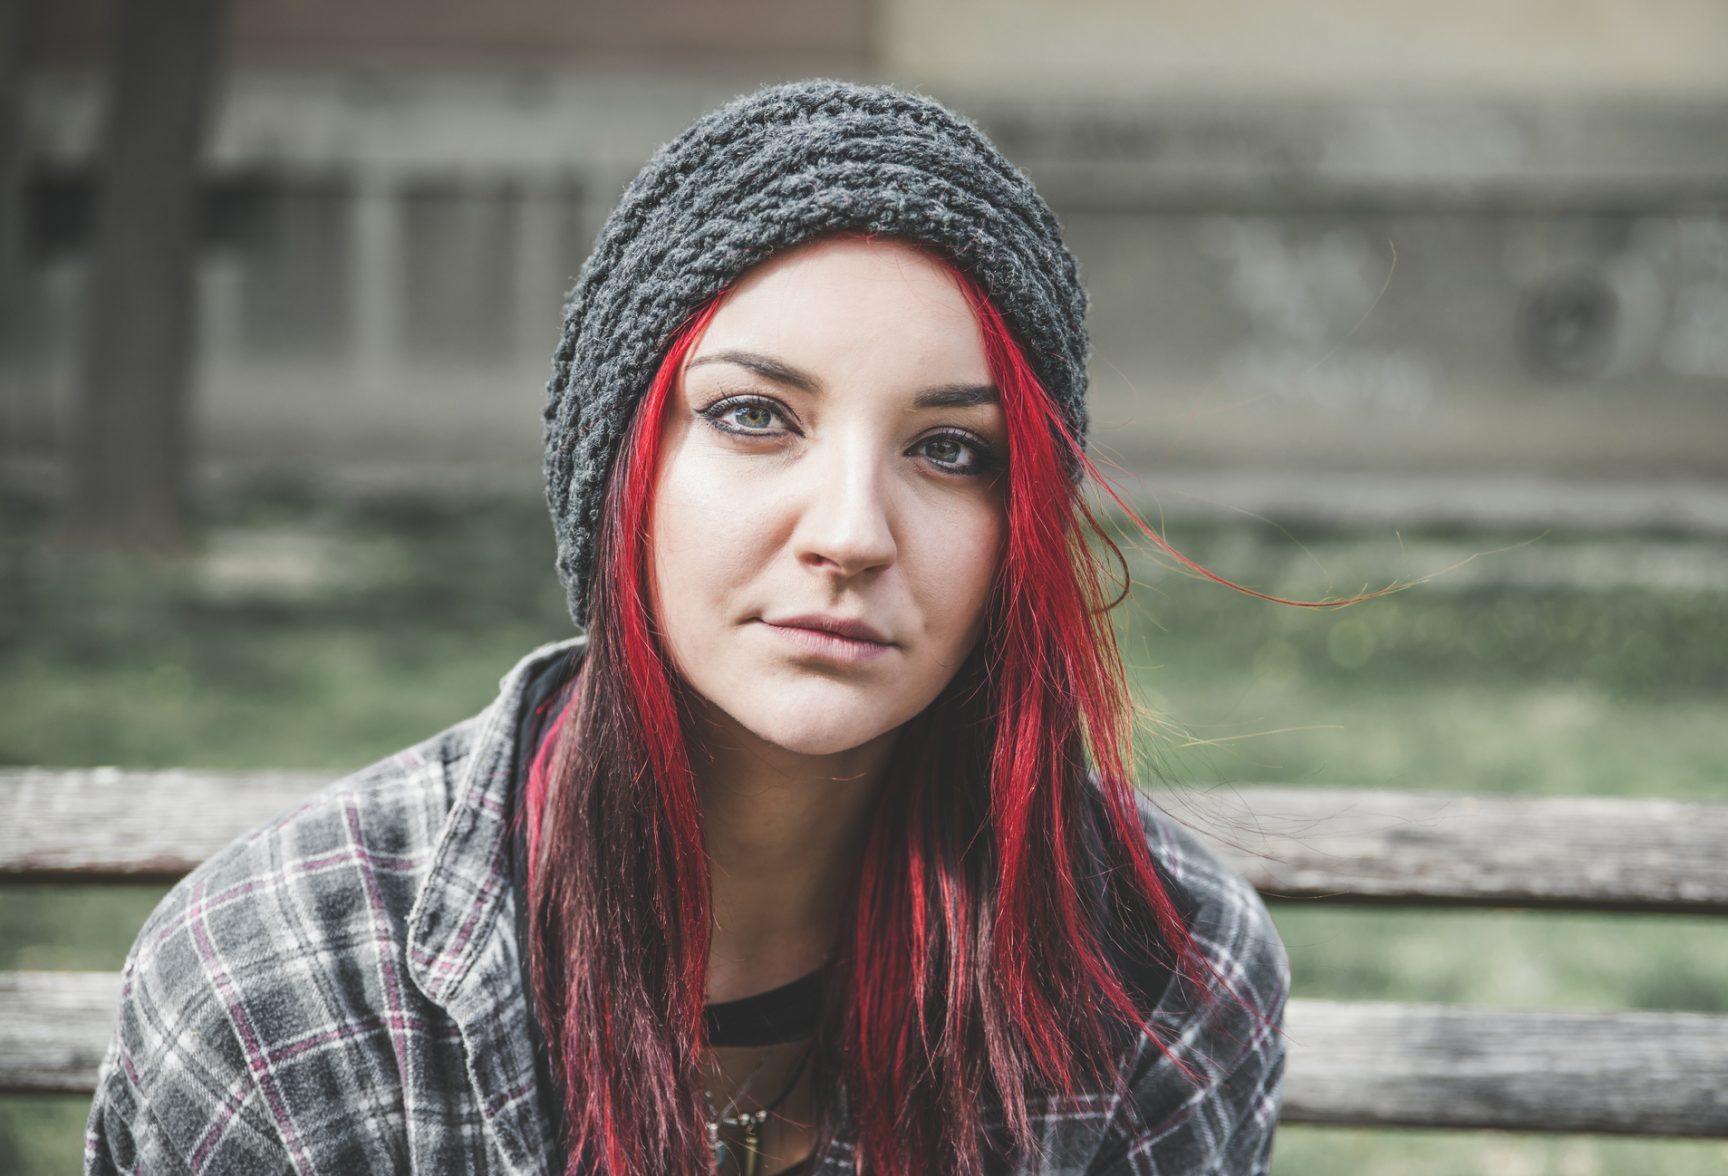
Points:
(747, 417)
(753, 416)
(957, 454)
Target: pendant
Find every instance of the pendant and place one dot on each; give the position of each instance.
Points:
(746, 1160)
(716, 1146)
(752, 1124)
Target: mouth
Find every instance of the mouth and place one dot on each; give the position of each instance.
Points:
(850, 628)
(831, 638)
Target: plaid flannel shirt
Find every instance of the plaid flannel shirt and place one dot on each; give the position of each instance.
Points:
(340, 991)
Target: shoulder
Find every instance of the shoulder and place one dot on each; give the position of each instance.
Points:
(286, 889)
(1229, 919)
(1205, 1097)
(278, 942)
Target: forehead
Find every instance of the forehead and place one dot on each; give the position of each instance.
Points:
(850, 306)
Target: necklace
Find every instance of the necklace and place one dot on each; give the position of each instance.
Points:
(748, 1160)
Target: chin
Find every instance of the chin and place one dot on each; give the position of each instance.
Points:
(819, 730)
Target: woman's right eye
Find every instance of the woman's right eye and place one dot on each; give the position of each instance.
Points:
(747, 415)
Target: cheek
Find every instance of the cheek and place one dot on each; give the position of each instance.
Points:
(704, 542)
(956, 570)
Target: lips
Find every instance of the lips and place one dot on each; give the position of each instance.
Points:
(856, 630)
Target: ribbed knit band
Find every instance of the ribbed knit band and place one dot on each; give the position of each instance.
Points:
(763, 173)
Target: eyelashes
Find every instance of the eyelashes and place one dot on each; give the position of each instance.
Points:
(732, 406)
(752, 417)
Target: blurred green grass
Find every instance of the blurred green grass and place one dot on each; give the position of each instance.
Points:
(321, 634)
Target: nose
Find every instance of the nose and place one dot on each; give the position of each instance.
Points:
(845, 527)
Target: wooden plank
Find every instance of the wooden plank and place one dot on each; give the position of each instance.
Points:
(1313, 844)
(1417, 1065)
(1421, 848)
(105, 824)
(54, 1029)
(1351, 1063)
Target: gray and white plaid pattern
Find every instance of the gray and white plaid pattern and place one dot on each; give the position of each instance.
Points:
(339, 992)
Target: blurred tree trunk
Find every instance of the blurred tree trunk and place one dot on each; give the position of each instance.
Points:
(130, 448)
(17, 22)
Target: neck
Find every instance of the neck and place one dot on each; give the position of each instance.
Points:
(783, 833)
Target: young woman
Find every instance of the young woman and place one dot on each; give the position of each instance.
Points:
(819, 851)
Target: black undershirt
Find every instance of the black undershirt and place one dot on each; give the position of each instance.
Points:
(783, 1014)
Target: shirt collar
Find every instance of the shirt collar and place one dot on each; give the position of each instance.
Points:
(460, 901)
(463, 953)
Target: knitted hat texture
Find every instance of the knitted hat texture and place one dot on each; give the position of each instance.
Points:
(763, 173)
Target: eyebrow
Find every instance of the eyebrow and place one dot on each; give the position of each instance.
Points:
(936, 396)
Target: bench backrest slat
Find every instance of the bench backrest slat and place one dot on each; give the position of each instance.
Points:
(1574, 853)
(1374, 1064)
(1357, 1063)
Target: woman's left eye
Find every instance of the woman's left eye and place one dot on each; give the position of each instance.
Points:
(957, 453)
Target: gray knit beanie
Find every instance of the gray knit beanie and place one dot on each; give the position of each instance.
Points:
(763, 173)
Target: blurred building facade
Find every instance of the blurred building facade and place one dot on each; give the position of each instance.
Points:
(1468, 241)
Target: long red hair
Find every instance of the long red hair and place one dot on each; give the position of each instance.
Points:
(986, 958)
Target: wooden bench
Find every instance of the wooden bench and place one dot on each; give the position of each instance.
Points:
(1357, 1063)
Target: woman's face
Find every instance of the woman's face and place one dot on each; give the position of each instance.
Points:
(829, 461)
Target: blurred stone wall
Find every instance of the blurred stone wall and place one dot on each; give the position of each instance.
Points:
(1322, 48)
(1335, 238)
